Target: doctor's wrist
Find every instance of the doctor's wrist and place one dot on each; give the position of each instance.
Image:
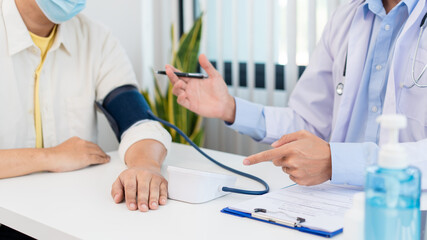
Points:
(229, 110)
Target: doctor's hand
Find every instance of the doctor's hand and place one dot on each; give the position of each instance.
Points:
(141, 185)
(302, 155)
(73, 154)
(207, 97)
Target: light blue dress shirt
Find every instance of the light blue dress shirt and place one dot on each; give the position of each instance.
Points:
(360, 147)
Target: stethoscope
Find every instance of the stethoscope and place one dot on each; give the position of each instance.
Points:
(416, 80)
(340, 86)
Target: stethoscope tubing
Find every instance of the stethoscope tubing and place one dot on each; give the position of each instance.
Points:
(416, 80)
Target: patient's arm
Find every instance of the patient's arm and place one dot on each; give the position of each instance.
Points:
(73, 154)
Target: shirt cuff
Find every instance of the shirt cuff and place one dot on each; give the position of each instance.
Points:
(349, 161)
(250, 119)
(145, 129)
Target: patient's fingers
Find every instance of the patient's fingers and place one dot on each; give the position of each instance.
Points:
(117, 191)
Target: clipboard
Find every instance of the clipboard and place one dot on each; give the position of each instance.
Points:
(317, 210)
(271, 221)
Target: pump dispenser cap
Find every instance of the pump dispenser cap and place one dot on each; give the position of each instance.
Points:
(392, 154)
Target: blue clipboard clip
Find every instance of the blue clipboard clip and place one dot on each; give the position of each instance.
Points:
(261, 213)
(301, 229)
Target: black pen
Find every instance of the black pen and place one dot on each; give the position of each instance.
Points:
(189, 75)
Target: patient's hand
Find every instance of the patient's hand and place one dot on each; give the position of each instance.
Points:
(207, 97)
(73, 154)
(143, 188)
(142, 185)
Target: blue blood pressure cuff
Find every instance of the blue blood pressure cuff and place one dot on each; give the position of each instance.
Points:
(123, 107)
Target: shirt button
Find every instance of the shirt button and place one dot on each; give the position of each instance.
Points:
(379, 67)
(387, 27)
(374, 109)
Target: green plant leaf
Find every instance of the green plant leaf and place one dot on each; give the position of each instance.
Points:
(186, 58)
(165, 105)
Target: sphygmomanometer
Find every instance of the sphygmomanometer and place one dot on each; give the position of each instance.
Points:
(125, 106)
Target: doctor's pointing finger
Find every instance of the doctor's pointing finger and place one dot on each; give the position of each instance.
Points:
(302, 155)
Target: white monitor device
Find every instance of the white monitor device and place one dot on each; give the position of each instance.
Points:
(194, 186)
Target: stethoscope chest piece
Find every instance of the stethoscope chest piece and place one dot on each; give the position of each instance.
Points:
(340, 89)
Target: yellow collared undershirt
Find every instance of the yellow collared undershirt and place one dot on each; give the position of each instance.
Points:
(44, 44)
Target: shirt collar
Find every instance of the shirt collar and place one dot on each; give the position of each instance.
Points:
(377, 7)
(63, 39)
(411, 5)
(18, 37)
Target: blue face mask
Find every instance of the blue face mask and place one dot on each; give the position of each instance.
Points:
(59, 11)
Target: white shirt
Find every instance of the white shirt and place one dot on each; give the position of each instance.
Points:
(84, 64)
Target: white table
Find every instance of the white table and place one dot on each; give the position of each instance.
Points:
(78, 205)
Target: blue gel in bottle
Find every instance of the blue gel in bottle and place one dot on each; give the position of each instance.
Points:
(392, 204)
(393, 191)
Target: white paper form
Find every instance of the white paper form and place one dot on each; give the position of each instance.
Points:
(322, 206)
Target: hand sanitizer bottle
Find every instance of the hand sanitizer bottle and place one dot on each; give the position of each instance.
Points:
(392, 189)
